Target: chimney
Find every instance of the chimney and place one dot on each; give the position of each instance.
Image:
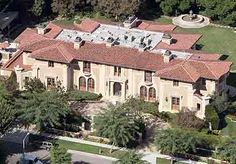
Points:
(131, 22)
(41, 29)
(78, 43)
(167, 38)
(167, 56)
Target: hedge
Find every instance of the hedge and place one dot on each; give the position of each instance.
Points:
(212, 117)
(83, 96)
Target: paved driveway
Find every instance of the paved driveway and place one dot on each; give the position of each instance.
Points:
(87, 158)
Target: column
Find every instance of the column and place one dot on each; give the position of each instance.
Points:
(123, 94)
(18, 71)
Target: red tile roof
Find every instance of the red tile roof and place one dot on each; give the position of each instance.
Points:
(192, 70)
(180, 42)
(88, 25)
(189, 70)
(152, 26)
(52, 30)
(15, 61)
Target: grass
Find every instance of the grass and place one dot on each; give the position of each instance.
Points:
(230, 129)
(90, 149)
(163, 20)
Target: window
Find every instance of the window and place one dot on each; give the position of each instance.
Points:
(117, 89)
(117, 71)
(143, 93)
(91, 85)
(175, 103)
(87, 67)
(198, 106)
(148, 76)
(50, 64)
(82, 84)
(175, 83)
(50, 82)
(152, 94)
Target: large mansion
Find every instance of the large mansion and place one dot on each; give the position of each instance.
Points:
(137, 58)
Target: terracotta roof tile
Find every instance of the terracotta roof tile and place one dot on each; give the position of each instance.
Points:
(88, 25)
(181, 42)
(52, 30)
(154, 26)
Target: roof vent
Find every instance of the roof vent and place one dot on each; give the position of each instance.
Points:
(142, 47)
(110, 42)
(167, 38)
(78, 42)
(167, 56)
(131, 22)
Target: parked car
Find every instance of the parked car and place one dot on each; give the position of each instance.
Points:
(29, 159)
(46, 145)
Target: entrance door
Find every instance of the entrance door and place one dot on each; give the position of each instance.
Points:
(175, 103)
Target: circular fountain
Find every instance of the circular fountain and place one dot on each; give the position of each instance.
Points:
(191, 20)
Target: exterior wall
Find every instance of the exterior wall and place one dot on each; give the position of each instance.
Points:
(130, 81)
(184, 92)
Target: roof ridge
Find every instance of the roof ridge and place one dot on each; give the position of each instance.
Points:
(188, 72)
(13, 59)
(203, 61)
(60, 50)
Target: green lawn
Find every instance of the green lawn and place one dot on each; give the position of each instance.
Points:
(89, 148)
(230, 129)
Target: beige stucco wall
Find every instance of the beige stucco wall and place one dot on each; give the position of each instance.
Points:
(103, 75)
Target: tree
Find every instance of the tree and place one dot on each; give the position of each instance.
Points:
(7, 111)
(38, 7)
(175, 141)
(42, 109)
(11, 83)
(212, 117)
(122, 126)
(131, 157)
(118, 9)
(64, 8)
(227, 150)
(34, 85)
(60, 155)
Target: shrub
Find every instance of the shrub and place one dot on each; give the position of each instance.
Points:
(227, 151)
(188, 119)
(83, 96)
(212, 117)
(166, 116)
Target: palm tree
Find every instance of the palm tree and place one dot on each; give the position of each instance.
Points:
(44, 108)
(131, 157)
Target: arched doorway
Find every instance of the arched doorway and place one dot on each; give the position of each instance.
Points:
(143, 93)
(82, 84)
(117, 89)
(91, 85)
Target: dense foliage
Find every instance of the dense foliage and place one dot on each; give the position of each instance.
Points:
(220, 11)
(188, 119)
(130, 157)
(60, 155)
(42, 109)
(83, 96)
(34, 85)
(212, 117)
(175, 141)
(123, 126)
(227, 151)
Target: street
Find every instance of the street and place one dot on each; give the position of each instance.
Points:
(87, 158)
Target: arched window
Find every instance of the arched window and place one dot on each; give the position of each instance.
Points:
(143, 93)
(152, 94)
(82, 84)
(91, 85)
(117, 89)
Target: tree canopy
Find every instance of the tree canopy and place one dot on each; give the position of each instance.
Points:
(121, 125)
(60, 155)
(44, 108)
(131, 157)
